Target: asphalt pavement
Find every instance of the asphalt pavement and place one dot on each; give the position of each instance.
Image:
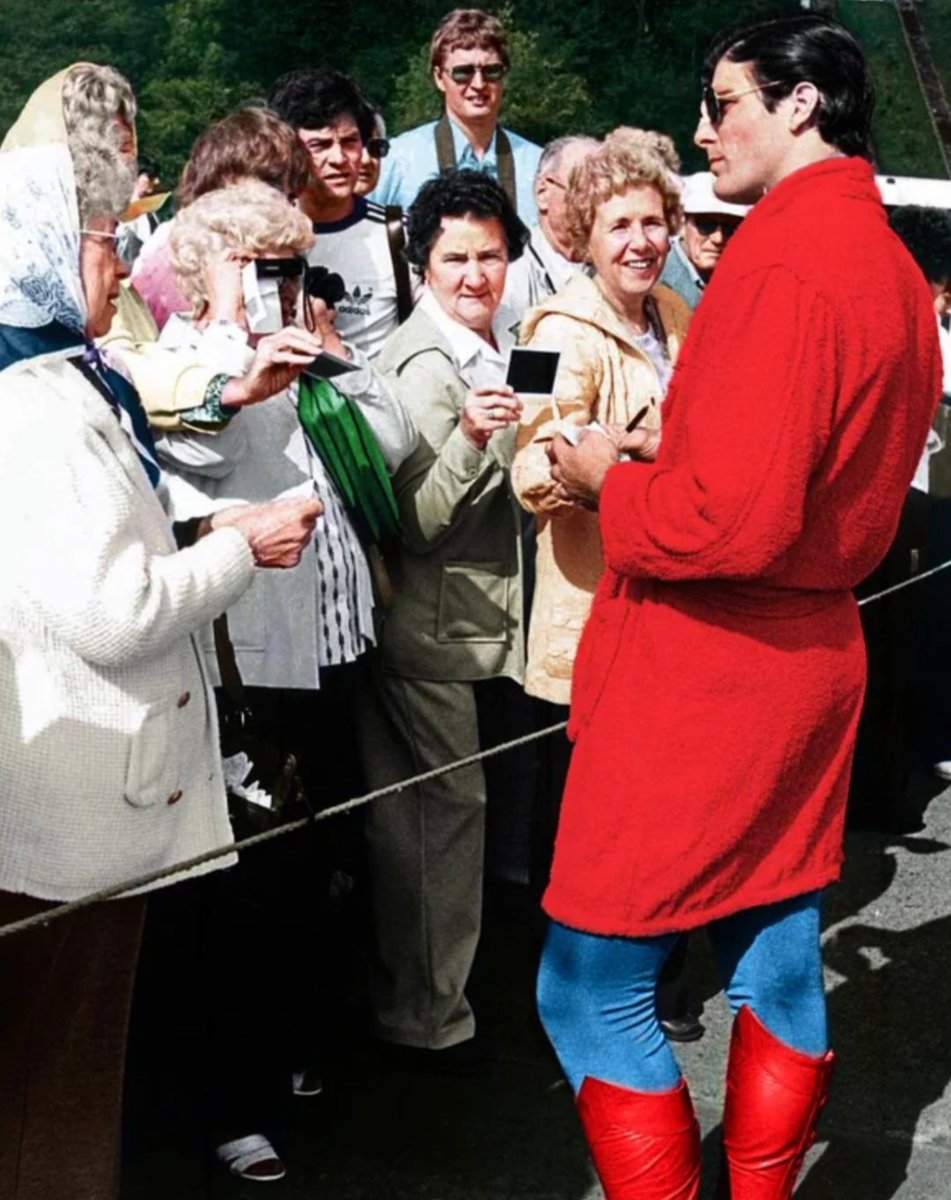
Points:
(381, 1133)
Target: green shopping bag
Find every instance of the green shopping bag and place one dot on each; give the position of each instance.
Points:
(347, 446)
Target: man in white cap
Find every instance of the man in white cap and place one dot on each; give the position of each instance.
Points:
(709, 223)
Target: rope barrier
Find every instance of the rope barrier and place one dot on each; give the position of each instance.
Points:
(189, 864)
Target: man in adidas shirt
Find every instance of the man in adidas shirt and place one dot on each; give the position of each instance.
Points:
(333, 121)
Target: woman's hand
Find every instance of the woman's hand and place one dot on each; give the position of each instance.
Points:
(278, 359)
(323, 321)
(487, 409)
(278, 532)
(224, 287)
(579, 471)
(639, 444)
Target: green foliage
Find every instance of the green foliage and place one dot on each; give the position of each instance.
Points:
(579, 65)
(936, 18)
(904, 139)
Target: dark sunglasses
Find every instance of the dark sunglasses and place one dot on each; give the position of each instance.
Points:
(491, 72)
(378, 147)
(713, 101)
(707, 226)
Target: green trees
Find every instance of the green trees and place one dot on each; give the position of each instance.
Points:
(580, 65)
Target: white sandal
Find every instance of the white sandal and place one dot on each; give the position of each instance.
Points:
(243, 1154)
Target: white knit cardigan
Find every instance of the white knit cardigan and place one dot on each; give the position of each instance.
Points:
(109, 762)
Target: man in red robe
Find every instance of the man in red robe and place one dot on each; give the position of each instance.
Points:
(719, 681)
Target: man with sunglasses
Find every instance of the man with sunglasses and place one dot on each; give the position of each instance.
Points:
(719, 681)
(469, 61)
(709, 223)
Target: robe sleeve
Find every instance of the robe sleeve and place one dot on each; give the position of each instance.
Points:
(750, 416)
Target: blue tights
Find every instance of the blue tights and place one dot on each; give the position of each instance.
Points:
(596, 995)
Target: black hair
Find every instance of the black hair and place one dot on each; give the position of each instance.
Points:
(807, 48)
(464, 193)
(927, 234)
(313, 98)
(148, 166)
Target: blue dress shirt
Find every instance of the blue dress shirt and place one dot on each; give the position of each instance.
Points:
(412, 160)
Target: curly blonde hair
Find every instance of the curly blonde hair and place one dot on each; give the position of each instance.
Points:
(610, 171)
(251, 218)
(632, 137)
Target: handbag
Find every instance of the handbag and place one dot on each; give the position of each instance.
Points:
(347, 446)
(274, 768)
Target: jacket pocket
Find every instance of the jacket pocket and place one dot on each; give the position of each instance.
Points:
(473, 602)
(166, 750)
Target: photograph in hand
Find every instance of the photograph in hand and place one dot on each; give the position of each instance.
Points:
(532, 372)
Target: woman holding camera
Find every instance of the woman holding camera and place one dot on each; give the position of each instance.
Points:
(299, 645)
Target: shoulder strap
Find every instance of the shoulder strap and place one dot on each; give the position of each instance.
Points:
(549, 282)
(396, 237)
(231, 679)
(446, 155)
(445, 147)
(506, 161)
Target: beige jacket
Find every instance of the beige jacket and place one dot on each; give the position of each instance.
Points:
(602, 376)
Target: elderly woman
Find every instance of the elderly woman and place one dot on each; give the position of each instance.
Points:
(250, 143)
(618, 333)
(300, 640)
(456, 624)
(109, 763)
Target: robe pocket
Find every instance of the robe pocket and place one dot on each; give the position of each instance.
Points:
(165, 752)
(599, 646)
(473, 602)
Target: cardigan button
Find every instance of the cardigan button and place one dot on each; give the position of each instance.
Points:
(183, 699)
(175, 797)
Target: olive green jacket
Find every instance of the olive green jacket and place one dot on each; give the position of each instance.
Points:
(457, 573)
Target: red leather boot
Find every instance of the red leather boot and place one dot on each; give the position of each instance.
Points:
(645, 1145)
(774, 1095)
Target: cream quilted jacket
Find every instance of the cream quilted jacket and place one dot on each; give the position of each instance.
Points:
(602, 376)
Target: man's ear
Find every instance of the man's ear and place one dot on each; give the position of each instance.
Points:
(437, 80)
(805, 102)
(541, 194)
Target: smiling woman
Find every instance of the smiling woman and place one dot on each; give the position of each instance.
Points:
(618, 335)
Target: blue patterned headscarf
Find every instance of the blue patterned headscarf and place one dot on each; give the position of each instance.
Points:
(39, 239)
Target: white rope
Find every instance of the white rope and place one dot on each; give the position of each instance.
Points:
(131, 885)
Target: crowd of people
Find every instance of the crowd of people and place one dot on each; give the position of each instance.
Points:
(293, 403)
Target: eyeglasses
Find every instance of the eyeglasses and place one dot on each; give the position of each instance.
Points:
(555, 182)
(707, 226)
(378, 147)
(713, 101)
(466, 72)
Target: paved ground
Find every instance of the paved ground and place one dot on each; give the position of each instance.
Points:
(513, 1136)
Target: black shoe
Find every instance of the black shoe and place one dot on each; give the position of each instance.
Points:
(682, 1029)
(463, 1060)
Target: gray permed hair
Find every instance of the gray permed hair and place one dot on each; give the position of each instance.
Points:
(99, 112)
(551, 155)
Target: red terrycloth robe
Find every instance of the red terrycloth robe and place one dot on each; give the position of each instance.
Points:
(719, 680)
